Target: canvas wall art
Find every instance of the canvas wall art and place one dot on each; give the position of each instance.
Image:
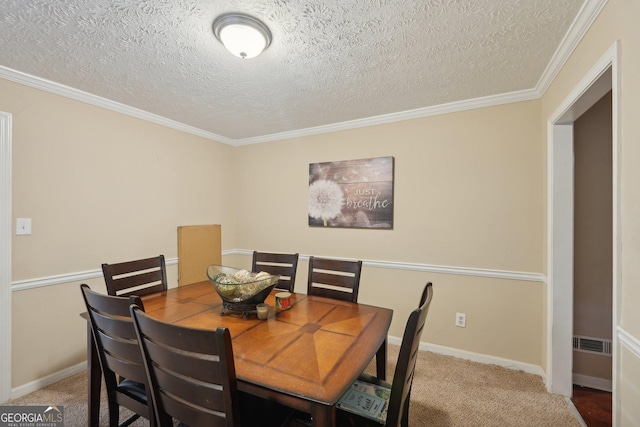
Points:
(352, 193)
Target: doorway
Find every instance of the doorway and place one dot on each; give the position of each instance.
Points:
(592, 296)
(600, 80)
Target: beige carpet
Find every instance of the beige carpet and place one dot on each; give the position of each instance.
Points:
(446, 392)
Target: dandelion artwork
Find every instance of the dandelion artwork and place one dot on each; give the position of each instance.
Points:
(325, 200)
(352, 193)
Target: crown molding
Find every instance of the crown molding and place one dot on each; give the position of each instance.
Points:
(587, 15)
(452, 107)
(580, 26)
(78, 95)
(589, 12)
(89, 98)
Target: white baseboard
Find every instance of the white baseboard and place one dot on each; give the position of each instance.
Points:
(434, 348)
(49, 379)
(593, 382)
(476, 357)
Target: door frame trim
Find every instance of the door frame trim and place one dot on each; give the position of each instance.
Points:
(5, 257)
(603, 76)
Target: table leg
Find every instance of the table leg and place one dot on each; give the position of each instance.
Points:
(323, 415)
(381, 361)
(94, 378)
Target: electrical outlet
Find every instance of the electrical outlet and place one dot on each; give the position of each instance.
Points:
(461, 320)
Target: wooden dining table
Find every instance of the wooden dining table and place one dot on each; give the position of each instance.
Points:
(304, 357)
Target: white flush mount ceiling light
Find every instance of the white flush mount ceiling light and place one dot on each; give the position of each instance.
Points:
(242, 35)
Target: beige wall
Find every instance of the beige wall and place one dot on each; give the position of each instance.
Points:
(99, 187)
(103, 187)
(92, 179)
(48, 334)
(629, 389)
(629, 298)
(468, 193)
(630, 214)
(617, 21)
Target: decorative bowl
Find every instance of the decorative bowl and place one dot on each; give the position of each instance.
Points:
(239, 289)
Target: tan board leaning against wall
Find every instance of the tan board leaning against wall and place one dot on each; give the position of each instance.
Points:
(199, 246)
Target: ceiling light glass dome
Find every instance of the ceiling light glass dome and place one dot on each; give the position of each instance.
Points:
(243, 35)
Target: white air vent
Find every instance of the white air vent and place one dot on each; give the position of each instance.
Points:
(592, 345)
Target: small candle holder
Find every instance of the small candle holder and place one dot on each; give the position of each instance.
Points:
(263, 311)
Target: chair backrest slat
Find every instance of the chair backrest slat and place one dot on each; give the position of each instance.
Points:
(286, 265)
(114, 325)
(187, 366)
(140, 277)
(146, 278)
(190, 391)
(332, 278)
(125, 369)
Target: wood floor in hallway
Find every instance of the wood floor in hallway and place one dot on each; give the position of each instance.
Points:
(594, 406)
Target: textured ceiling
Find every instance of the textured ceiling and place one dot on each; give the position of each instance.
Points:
(330, 61)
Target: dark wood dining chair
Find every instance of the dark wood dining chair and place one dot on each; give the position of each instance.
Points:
(340, 279)
(192, 378)
(334, 278)
(285, 265)
(191, 373)
(140, 277)
(119, 354)
(400, 396)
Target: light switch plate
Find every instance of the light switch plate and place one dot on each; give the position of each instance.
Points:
(23, 226)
